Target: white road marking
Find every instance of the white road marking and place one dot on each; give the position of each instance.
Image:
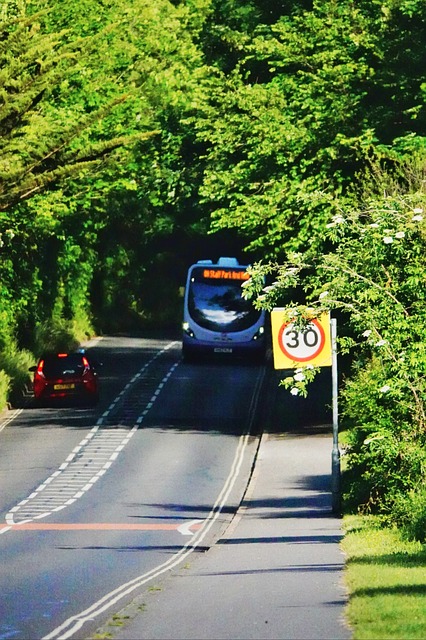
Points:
(75, 623)
(10, 419)
(68, 628)
(185, 529)
(87, 462)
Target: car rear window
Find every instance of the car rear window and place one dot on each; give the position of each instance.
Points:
(58, 367)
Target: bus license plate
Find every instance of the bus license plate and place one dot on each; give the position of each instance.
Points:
(223, 350)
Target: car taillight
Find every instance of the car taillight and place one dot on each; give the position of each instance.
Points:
(87, 371)
(39, 370)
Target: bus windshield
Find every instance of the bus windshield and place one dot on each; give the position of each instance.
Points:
(215, 301)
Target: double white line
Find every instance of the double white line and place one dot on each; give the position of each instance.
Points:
(75, 623)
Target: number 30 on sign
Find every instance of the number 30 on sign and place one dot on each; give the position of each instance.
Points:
(297, 348)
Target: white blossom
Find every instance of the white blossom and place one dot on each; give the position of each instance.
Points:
(380, 343)
(367, 333)
(299, 377)
(385, 388)
(417, 218)
(294, 391)
(323, 295)
(338, 219)
(400, 234)
(388, 239)
(418, 210)
(374, 225)
(373, 438)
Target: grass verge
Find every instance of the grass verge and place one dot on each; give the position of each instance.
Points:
(386, 579)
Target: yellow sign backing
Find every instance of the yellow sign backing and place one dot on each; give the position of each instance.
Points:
(293, 348)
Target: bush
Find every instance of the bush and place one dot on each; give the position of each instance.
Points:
(385, 453)
(374, 275)
(410, 514)
(55, 335)
(381, 469)
(4, 389)
(15, 364)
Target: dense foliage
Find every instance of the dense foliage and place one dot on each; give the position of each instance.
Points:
(91, 174)
(131, 129)
(305, 104)
(373, 276)
(320, 155)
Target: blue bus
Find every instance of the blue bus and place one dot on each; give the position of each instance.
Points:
(217, 319)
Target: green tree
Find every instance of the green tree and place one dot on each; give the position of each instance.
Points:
(46, 134)
(301, 109)
(94, 152)
(373, 274)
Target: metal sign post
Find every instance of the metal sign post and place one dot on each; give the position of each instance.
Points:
(335, 454)
(315, 345)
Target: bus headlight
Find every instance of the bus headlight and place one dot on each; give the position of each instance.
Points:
(259, 333)
(187, 329)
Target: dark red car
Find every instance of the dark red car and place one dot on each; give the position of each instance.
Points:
(66, 375)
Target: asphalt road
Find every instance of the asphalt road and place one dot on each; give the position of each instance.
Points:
(96, 503)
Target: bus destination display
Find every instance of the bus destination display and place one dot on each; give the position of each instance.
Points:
(225, 274)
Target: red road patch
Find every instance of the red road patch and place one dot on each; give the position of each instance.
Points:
(99, 526)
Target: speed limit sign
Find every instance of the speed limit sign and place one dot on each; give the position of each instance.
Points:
(294, 347)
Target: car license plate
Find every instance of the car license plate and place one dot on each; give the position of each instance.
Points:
(61, 387)
(223, 350)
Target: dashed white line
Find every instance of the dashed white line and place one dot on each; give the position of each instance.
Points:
(71, 626)
(75, 623)
(103, 452)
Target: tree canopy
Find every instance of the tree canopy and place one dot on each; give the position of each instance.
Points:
(139, 135)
